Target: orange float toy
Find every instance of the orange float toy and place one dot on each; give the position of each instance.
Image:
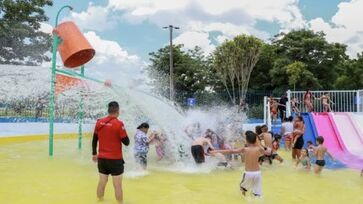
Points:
(74, 48)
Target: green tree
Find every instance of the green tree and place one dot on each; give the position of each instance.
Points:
(234, 61)
(21, 42)
(320, 57)
(351, 74)
(192, 75)
(299, 75)
(260, 77)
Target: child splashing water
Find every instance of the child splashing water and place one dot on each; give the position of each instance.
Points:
(275, 147)
(197, 148)
(251, 179)
(141, 146)
(265, 141)
(159, 142)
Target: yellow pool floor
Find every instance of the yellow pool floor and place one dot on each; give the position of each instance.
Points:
(28, 175)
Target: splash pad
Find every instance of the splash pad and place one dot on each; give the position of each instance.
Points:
(28, 175)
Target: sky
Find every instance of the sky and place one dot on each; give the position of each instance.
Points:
(124, 32)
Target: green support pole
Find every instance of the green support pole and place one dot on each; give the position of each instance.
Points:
(80, 120)
(52, 95)
(56, 41)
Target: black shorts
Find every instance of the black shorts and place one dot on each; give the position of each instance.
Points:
(261, 159)
(198, 154)
(274, 155)
(299, 143)
(114, 167)
(141, 158)
(320, 163)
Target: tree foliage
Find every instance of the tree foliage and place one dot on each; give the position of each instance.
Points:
(351, 76)
(192, 73)
(322, 59)
(300, 59)
(21, 42)
(234, 61)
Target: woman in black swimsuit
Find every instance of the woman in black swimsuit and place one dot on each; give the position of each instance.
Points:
(298, 139)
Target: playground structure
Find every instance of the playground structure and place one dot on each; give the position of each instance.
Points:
(75, 51)
(342, 128)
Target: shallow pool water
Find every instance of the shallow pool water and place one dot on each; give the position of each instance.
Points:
(28, 175)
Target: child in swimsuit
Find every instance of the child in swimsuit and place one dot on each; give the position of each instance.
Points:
(252, 178)
(320, 152)
(159, 141)
(308, 96)
(326, 102)
(310, 148)
(275, 147)
(294, 103)
(274, 107)
(304, 160)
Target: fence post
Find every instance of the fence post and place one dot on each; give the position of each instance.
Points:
(264, 109)
(358, 101)
(269, 123)
(288, 104)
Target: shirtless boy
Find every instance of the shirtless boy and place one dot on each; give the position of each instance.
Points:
(251, 179)
(319, 153)
(266, 143)
(197, 148)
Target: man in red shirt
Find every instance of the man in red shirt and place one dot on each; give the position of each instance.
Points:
(110, 133)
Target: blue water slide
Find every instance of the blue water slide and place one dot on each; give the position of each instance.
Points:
(310, 129)
(311, 134)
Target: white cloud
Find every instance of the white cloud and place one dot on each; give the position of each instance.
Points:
(281, 11)
(107, 50)
(191, 39)
(199, 17)
(46, 27)
(94, 18)
(112, 61)
(344, 27)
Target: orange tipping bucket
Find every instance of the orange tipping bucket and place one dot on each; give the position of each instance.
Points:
(74, 49)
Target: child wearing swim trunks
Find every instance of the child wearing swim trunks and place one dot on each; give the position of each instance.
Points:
(197, 148)
(251, 179)
(304, 160)
(319, 153)
(275, 147)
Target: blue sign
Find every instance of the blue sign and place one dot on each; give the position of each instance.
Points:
(191, 101)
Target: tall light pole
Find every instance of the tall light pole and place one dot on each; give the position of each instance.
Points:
(171, 27)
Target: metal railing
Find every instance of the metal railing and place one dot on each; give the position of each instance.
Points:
(340, 100)
(360, 100)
